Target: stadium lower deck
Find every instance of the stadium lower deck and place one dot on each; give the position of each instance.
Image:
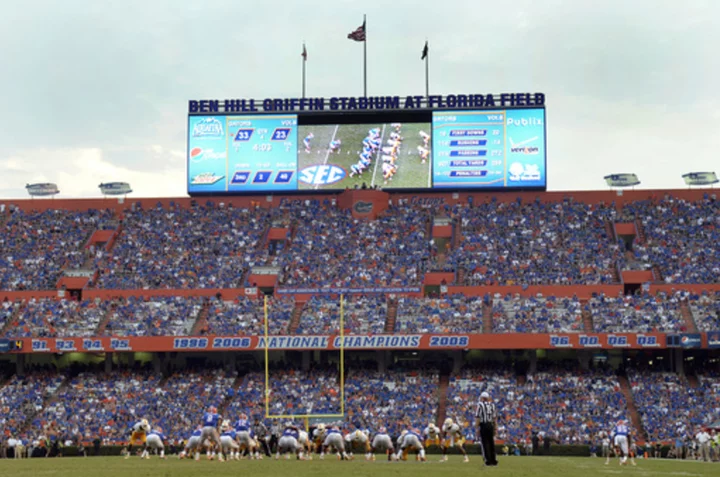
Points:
(589, 273)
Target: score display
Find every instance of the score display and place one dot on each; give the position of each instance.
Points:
(274, 153)
(242, 154)
(489, 149)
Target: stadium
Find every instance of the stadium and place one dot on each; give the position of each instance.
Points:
(345, 285)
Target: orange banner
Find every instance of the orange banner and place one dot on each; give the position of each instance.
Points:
(350, 342)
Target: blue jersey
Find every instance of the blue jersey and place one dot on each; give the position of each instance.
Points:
(334, 144)
(308, 138)
(243, 425)
(231, 434)
(291, 432)
(621, 430)
(210, 419)
(196, 433)
(365, 156)
(156, 433)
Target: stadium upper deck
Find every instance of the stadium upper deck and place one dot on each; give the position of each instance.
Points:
(544, 263)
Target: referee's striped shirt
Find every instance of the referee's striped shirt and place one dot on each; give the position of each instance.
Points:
(485, 412)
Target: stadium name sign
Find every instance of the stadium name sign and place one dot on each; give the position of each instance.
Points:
(370, 103)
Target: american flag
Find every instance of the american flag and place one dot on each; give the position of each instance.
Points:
(358, 34)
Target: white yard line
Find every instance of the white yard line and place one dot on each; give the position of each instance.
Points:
(377, 157)
(327, 154)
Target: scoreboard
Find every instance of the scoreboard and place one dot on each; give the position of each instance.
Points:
(422, 150)
(481, 149)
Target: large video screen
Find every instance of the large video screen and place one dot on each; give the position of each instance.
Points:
(341, 156)
(425, 150)
(489, 149)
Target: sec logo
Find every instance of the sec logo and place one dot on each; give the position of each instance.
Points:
(323, 174)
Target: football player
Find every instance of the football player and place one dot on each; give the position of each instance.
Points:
(382, 442)
(426, 138)
(155, 441)
(452, 436)
(389, 171)
(360, 437)
(138, 436)
(211, 420)
(432, 435)
(307, 140)
(288, 442)
(424, 153)
(411, 441)
(334, 440)
(335, 145)
(193, 446)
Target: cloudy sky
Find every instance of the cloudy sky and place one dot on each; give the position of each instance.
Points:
(97, 91)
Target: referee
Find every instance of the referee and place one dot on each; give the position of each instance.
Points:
(485, 415)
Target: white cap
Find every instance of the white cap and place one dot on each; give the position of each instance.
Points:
(484, 395)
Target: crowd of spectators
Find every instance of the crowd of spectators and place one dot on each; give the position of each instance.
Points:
(246, 316)
(668, 406)
(22, 397)
(535, 243)
(331, 248)
(7, 310)
(396, 399)
(452, 314)
(637, 313)
(199, 247)
(572, 406)
(361, 315)
(51, 317)
(705, 308)
(536, 314)
(157, 316)
(107, 405)
(680, 237)
(36, 246)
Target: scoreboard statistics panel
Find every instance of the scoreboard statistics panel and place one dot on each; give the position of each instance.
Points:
(489, 149)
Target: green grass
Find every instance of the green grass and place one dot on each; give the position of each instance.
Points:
(509, 466)
(411, 172)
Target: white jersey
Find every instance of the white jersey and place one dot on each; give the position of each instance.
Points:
(303, 438)
(357, 436)
(432, 432)
(411, 441)
(452, 433)
(141, 428)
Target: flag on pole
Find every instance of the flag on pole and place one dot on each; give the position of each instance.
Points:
(425, 51)
(304, 53)
(358, 34)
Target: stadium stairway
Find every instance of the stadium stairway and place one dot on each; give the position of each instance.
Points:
(27, 426)
(202, 320)
(102, 326)
(295, 318)
(610, 229)
(443, 386)
(631, 407)
(657, 274)
(229, 397)
(687, 315)
(692, 379)
(487, 317)
(13, 319)
(392, 306)
(588, 325)
(641, 237)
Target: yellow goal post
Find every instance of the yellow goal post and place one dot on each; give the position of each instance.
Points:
(305, 417)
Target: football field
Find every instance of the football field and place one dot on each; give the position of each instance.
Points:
(411, 173)
(509, 466)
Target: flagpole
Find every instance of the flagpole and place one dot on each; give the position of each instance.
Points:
(303, 69)
(365, 58)
(427, 74)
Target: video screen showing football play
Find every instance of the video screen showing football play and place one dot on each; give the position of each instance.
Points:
(342, 156)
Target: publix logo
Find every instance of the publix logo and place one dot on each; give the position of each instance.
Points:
(198, 154)
(323, 174)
